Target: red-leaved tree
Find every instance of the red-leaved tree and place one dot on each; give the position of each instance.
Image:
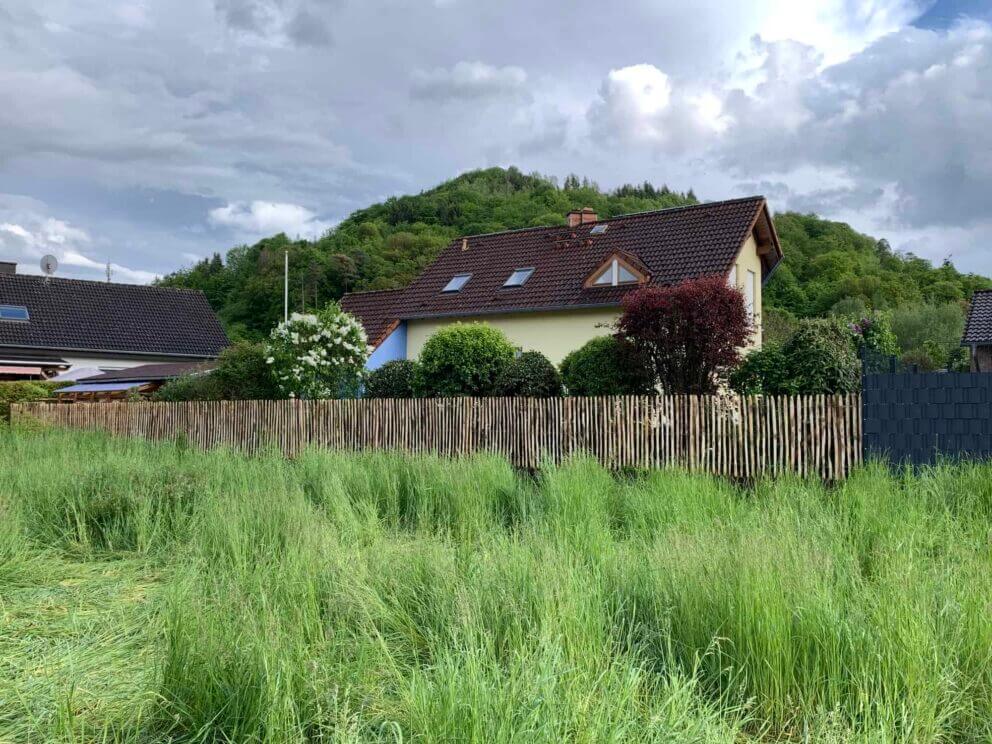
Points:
(691, 333)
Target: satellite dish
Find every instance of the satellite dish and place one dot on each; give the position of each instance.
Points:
(48, 264)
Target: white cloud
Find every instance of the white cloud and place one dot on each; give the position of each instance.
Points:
(262, 218)
(26, 236)
(468, 80)
(640, 104)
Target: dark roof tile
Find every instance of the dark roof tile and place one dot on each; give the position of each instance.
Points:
(978, 329)
(79, 315)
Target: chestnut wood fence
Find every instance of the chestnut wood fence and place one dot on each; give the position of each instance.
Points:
(740, 437)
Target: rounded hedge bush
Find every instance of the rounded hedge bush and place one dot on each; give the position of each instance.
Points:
(763, 371)
(392, 380)
(605, 366)
(462, 359)
(530, 375)
(819, 358)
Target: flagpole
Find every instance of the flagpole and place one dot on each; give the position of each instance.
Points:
(285, 289)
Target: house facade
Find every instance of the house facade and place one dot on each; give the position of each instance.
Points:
(978, 331)
(52, 328)
(552, 289)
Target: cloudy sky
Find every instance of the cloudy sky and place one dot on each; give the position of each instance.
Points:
(149, 133)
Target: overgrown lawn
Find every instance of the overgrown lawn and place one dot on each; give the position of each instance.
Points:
(150, 592)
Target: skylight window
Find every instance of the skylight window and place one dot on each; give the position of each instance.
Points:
(598, 230)
(457, 282)
(13, 312)
(518, 277)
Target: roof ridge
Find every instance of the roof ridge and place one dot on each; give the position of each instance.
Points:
(373, 291)
(98, 282)
(645, 213)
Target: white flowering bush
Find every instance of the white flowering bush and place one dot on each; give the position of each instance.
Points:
(318, 356)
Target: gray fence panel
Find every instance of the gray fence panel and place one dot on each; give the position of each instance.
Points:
(921, 417)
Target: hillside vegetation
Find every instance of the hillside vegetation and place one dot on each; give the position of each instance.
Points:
(153, 593)
(829, 267)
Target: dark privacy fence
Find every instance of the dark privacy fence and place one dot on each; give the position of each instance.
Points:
(920, 417)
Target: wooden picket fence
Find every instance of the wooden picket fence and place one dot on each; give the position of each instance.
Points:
(740, 437)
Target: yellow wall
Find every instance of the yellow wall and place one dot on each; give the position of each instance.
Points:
(750, 260)
(554, 334)
(557, 333)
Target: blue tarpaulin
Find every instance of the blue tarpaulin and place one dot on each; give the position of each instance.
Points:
(100, 387)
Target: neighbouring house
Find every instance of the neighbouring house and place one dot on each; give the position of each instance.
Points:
(553, 288)
(140, 381)
(52, 328)
(978, 331)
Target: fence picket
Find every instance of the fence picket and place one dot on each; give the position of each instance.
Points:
(740, 437)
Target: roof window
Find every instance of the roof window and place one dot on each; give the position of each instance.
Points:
(599, 229)
(13, 312)
(519, 277)
(457, 282)
(615, 273)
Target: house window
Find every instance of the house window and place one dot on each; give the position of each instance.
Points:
(518, 277)
(749, 290)
(457, 282)
(13, 312)
(613, 274)
(732, 279)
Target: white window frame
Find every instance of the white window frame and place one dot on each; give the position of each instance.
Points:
(613, 270)
(751, 293)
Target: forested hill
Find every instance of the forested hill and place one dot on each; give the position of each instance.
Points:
(829, 267)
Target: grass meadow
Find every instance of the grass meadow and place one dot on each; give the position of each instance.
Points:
(150, 592)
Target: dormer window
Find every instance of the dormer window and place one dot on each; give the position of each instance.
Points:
(14, 312)
(519, 277)
(457, 282)
(615, 272)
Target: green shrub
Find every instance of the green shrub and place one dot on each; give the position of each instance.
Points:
(821, 359)
(201, 386)
(604, 366)
(530, 375)
(763, 371)
(462, 359)
(874, 332)
(24, 391)
(243, 374)
(392, 380)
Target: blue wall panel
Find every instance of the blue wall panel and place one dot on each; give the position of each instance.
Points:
(391, 349)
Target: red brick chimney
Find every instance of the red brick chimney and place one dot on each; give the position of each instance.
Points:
(581, 216)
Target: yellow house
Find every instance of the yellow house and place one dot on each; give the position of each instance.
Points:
(551, 289)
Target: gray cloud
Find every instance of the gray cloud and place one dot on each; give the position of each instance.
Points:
(274, 20)
(468, 81)
(136, 122)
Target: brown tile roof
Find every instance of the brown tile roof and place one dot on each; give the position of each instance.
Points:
(79, 315)
(978, 329)
(673, 244)
(375, 309)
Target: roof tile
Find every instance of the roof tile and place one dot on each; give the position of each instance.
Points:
(101, 316)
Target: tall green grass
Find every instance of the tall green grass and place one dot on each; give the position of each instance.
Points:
(376, 597)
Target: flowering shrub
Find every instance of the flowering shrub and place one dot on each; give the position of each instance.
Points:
(874, 332)
(318, 356)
